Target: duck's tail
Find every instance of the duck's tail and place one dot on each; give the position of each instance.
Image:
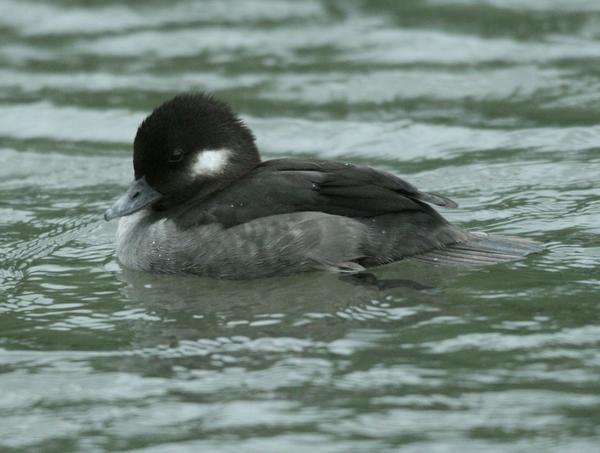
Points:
(482, 249)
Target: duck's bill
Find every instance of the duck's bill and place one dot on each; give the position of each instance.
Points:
(138, 196)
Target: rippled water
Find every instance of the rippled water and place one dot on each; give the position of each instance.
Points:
(494, 103)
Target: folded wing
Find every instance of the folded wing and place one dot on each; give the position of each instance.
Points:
(290, 185)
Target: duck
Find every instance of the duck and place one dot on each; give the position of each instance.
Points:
(203, 202)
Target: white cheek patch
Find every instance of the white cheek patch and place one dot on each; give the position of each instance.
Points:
(211, 162)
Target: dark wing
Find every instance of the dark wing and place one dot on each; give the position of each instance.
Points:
(289, 185)
(360, 183)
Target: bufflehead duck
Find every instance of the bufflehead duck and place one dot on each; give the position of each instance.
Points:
(202, 202)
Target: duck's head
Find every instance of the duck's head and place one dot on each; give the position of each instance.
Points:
(190, 146)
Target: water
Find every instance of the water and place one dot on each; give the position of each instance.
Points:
(492, 103)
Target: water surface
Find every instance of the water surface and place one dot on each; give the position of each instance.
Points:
(494, 104)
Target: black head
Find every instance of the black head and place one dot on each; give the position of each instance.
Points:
(172, 144)
(190, 146)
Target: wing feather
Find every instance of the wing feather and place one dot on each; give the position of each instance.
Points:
(292, 185)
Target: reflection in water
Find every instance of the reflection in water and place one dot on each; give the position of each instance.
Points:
(315, 305)
(369, 279)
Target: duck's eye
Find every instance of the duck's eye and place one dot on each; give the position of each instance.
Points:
(176, 155)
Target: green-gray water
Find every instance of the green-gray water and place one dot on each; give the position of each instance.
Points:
(494, 103)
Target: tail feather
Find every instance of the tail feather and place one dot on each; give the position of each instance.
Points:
(482, 249)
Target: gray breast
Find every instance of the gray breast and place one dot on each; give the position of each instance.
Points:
(271, 245)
